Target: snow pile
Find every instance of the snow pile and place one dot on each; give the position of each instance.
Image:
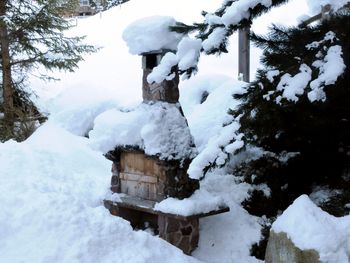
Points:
(315, 6)
(157, 128)
(51, 192)
(309, 227)
(229, 236)
(151, 33)
(209, 121)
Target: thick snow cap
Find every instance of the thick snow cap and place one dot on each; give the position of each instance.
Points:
(151, 33)
(157, 128)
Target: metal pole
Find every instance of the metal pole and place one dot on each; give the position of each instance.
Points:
(244, 53)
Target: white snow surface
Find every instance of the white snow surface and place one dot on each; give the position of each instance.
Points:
(52, 185)
(240, 10)
(186, 57)
(292, 86)
(157, 128)
(201, 201)
(331, 68)
(272, 74)
(51, 192)
(213, 113)
(150, 34)
(214, 39)
(309, 227)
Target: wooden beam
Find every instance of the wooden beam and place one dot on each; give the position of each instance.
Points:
(325, 12)
(244, 53)
(147, 206)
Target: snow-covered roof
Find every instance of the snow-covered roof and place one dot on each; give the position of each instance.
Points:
(151, 33)
(159, 129)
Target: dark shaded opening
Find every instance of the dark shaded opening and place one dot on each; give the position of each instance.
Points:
(186, 231)
(151, 61)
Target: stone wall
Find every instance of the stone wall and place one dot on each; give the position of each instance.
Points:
(166, 91)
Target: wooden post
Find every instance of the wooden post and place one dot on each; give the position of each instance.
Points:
(244, 53)
(325, 12)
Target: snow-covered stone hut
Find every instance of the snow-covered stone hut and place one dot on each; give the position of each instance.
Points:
(154, 146)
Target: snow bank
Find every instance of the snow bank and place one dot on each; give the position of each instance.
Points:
(151, 33)
(227, 237)
(157, 128)
(309, 227)
(51, 192)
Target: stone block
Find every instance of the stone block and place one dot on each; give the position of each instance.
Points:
(280, 249)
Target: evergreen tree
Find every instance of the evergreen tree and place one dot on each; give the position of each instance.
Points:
(31, 37)
(221, 19)
(297, 111)
(217, 27)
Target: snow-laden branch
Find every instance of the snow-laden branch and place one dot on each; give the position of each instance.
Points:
(329, 65)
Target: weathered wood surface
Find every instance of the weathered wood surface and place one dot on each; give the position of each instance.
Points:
(326, 10)
(141, 176)
(135, 173)
(139, 204)
(244, 53)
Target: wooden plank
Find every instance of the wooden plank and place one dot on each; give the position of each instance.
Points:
(139, 204)
(139, 185)
(139, 163)
(323, 15)
(138, 177)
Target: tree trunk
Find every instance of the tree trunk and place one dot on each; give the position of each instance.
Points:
(6, 67)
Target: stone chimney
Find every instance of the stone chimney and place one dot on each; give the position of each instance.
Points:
(167, 90)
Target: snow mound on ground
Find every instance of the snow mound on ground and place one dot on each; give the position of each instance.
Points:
(157, 128)
(227, 237)
(51, 192)
(309, 227)
(150, 34)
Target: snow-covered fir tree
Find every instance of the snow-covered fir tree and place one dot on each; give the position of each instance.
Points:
(31, 36)
(297, 111)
